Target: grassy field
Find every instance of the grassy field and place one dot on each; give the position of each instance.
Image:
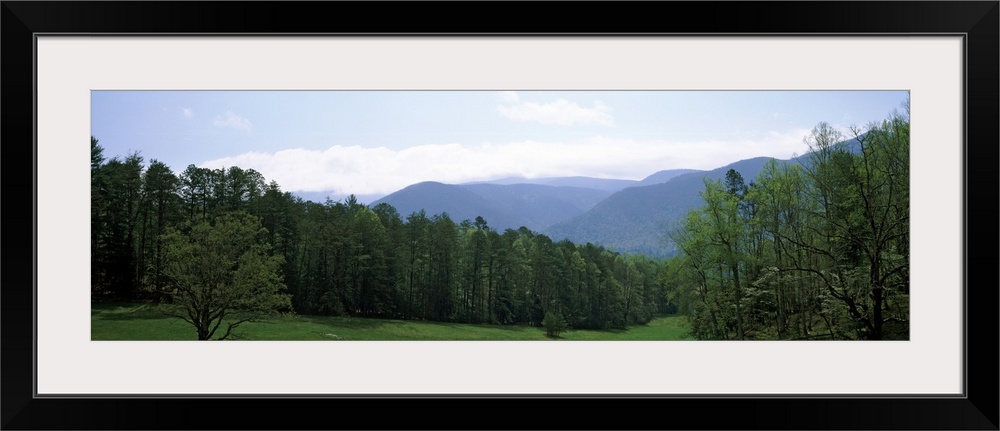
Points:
(138, 321)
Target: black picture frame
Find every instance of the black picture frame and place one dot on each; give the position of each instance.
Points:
(976, 21)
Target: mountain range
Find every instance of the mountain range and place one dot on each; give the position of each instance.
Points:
(640, 219)
(536, 204)
(628, 216)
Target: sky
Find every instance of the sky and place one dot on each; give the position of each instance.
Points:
(372, 143)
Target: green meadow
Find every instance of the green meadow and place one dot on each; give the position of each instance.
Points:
(146, 322)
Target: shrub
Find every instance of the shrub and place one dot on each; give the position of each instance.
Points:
(554, 323)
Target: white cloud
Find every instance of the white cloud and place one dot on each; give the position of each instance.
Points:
(561, 112)
(379, 171)
(229, 119)
(509, 96)
(188, 113)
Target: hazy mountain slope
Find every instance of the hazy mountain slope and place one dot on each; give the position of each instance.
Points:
(605, 184)
(537, 206)
(664, 176)
(633, 217)
(639, 219)
(459, 202)
(503, 206)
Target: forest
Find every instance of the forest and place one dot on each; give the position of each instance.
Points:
(166, 237)
(817, 250)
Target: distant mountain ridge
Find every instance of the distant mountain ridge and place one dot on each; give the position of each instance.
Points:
(514, 202)
(609, 184)
(630, 216)
(511, 206)
(634, 219)
(606, 184)
(639, 219)
(664, 176)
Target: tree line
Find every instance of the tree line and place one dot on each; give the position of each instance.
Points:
(818, 249)
(161, 236)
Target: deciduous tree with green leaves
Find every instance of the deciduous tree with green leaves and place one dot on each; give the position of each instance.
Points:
(223, 274)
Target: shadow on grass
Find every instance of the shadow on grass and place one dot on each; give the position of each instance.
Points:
(342, 322)
(128, 311)
(353, 322)
(475, 326)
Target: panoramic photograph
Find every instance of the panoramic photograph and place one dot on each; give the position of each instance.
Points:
(500, 215)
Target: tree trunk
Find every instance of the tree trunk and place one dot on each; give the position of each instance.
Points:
(739, 297)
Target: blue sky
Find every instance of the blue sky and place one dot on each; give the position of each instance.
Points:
(372, 143)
